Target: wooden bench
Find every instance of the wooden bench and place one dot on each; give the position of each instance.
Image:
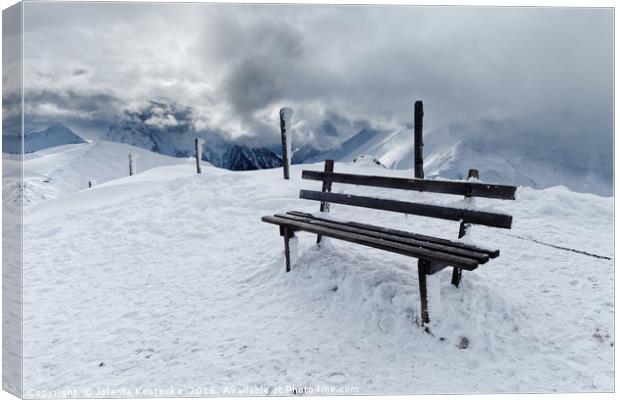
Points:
(433, 253)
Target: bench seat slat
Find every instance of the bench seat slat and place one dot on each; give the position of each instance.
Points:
(474, 189)
(400, 248)
(426, 210)
(405, 234)
(478, 256)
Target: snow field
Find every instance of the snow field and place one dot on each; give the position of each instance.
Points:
(169, 278)
(59, 171)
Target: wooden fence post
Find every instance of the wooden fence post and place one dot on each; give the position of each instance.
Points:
(457, 272)
(473, 174)
(418, 143)
(285, 128)
(198, 155)
(327, 187)
(130, 165)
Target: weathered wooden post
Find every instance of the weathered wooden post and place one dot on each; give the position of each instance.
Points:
(457, 272)
(327, 187)
(198, 144)
(285, 128)
(130, 165)
(423, 266)
(418, 162)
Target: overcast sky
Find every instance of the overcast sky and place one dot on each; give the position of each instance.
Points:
(499, 73)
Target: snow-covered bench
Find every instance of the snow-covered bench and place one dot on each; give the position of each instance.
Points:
(433, 254)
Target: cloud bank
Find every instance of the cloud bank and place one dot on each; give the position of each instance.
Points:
(503, 75)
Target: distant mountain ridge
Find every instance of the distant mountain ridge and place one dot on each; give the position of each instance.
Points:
(56, 134)
(519, 164)
(168, 129)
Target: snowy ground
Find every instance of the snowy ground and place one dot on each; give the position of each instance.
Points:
(169, 281)
(58, 171)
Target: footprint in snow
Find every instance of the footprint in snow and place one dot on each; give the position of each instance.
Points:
(149, 352)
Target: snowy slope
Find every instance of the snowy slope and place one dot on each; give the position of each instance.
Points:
(61, 170)
(168, 280)
(306, 153)
(54, 135)
(525, 166)
(393, 148)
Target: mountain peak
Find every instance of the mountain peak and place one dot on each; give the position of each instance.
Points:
(56, 125)
(56, 134)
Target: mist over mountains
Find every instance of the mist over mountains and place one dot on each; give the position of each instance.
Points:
(169, 129)
(532, 107)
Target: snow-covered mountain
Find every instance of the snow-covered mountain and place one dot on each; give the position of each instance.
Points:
(394, 149)
(243, 158)
(306, 153)
(168, 129)
(525, 166)
(54, 135)
(517, 164)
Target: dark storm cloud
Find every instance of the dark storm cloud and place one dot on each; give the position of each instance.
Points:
(74, 107)
(501, 75)
(91, 103)
(263, 55)
(11, 70)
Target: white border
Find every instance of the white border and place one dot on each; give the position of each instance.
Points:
(522, 3)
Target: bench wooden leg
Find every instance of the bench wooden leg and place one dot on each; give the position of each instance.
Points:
(456, 276)
(422, 268)
(287, 234)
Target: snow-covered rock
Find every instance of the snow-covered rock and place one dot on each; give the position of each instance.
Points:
(366, 161)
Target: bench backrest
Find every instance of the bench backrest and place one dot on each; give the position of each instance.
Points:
(467, 189)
